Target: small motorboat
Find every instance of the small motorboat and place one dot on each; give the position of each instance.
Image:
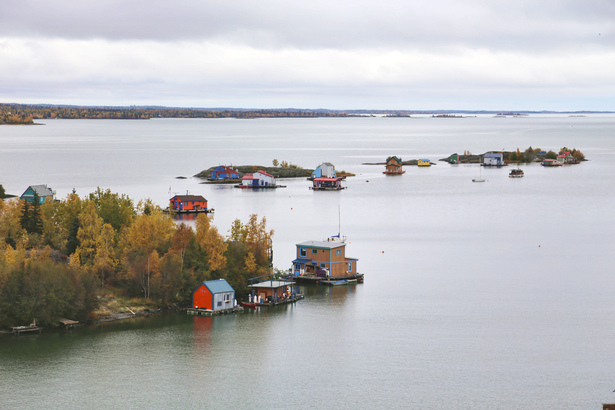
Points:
(516, 173)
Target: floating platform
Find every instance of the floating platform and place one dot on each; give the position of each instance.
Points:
(331, 281)
(281, 301)
(25, 329)
(340, 282)
(222, 181)
(327, 188)
(67, 323)
(393, 172)
(189, 211)
(207, 312)
(259, 187)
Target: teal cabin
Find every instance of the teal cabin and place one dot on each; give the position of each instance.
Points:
(45, 194)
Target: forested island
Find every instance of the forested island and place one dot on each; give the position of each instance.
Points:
(278, 170)
(26, 114)
(520, 157)
(78, 258)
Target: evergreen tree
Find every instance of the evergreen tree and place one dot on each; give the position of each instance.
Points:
(36, 217)
(31, 217)
(24, 220)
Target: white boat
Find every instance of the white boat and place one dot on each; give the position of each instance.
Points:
(480, 176)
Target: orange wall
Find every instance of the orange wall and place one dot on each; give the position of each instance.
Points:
(203, 299)
(338, 265)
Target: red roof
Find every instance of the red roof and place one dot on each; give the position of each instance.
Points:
(248, 176)
(264, 173)
(325, 179)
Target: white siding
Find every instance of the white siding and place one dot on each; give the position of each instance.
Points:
(223, 300)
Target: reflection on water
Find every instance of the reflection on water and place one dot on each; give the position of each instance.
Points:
(184, 217)
(332, 295)
(202, 328)
(484, 289)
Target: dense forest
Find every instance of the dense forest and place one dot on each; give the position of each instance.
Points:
(57, 259)
(26, 114)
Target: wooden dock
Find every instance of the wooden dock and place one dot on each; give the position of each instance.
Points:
(68, 324)
(327, 188)
(207, 312)
(25, 329)
(188, 211)
(330, 280)
(281, 301)
(259, 187)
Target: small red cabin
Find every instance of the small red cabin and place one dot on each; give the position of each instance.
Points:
(188, 203)
(214, 295)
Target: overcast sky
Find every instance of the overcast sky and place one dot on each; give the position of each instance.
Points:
(338, 54)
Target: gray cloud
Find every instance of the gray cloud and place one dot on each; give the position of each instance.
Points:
(388, 54)
(343, 24)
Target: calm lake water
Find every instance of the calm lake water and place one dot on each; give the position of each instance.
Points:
(493, 296)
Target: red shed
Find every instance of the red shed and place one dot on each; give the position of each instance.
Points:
(188, 203)
(214, 295)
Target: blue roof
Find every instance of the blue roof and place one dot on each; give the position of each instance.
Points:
(302, 260)
(218, 286)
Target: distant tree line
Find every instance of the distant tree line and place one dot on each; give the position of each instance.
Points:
(538, 154)
(24, 114)
(57, 258)
(529, 155)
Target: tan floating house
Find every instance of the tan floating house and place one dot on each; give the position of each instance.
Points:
(393, 166)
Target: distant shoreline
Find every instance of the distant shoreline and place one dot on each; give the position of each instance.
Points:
(27, 113)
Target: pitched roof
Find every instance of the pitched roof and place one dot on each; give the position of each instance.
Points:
(190, 198)
(264, 173)
(218, 286)
(222, 168)
(396, 158)
(41, 190)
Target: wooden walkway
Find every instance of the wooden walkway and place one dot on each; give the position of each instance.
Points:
(207, 312)
(315, 280)
(281, 301)
(25, 329)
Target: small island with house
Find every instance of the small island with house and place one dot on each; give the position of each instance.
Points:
(565, 156)
(233, 174)
(394, 163)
